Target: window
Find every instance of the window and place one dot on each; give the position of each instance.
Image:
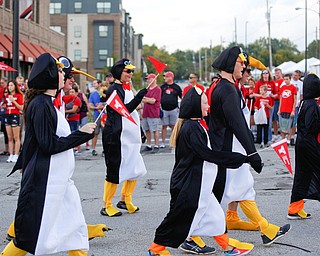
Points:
(55, 8)
(103, 54)
(56, 28)
(103, 7)
(77, 31)
(103, 31)
(77, 55)
(77, 6)
(99, 75)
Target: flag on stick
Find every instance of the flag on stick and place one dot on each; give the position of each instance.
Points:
(116, 103)
(281, 148)
(159, 66)
(6, 67)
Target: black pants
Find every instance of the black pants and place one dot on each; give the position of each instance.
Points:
(264, 128)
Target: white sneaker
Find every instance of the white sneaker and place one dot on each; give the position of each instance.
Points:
(9, 160)
(14, 158)
(162, 145)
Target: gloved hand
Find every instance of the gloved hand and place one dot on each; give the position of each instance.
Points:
(256, 162)
(142, 92)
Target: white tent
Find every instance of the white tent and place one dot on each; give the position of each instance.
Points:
(285, 66)
(290, 66)
(301, 64)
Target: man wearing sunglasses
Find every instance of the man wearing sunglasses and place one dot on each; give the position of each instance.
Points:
(193, 81)
(229, 130)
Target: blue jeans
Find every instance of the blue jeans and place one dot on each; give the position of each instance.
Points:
(74, 125)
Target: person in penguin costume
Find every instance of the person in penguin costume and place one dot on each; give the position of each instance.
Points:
(306, 184)
(49, 216)
(229, 131)
(121, 141)
(194, 210)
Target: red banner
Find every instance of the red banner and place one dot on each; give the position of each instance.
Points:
(281, 148)
(159, 66)
(116, 103)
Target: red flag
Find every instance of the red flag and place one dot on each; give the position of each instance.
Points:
(6, 67)
(159, 66)
(281, 148)
(116, 103)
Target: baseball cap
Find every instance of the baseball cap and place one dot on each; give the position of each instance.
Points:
(151, 75)
(169, 74)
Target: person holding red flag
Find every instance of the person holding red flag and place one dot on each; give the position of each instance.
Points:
(121, 141)
(307, 169)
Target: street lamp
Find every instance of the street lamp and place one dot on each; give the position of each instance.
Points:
(318, 42)
(246, 35)
(269, 32)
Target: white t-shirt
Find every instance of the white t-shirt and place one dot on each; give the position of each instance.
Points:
(299, 85)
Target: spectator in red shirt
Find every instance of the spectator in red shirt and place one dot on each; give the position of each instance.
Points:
(14, 104)
(73, 104)
(151, 113)
(193, 81)
(275, 118)
(267, 102)
(250, 99)
(287, 107)
(3, 92)
(267, 79)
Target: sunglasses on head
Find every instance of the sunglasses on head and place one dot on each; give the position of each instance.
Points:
(129, 71)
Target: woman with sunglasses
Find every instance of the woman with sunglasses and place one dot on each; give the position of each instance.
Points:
(121, 141)
(14, 104)
(49, 216)
(267, 79)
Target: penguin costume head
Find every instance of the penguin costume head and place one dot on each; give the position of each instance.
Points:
(191, 104)
(311, 87)
(119, 66)
(44, 73)
(69, 69)
(228, 58)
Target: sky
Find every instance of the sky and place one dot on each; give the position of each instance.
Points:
(178, 24)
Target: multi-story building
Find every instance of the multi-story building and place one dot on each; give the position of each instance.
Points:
(35, 35)
(98, 32)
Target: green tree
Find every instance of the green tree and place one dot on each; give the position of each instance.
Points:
(314, 49)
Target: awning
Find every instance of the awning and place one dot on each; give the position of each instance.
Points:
(28, 56)
(37, 48)
(28, 45)
(3, 52)
(7, 43)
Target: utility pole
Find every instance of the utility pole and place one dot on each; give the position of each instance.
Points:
(15, 36)
(211, 57)
(200, 77)
(269, 37)
(306, 39)
(206, 65)
(235, 30)
(246, 36)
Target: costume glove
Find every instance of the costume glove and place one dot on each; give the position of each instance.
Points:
(255, 162)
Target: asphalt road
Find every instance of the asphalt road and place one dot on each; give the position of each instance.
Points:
(132, 234)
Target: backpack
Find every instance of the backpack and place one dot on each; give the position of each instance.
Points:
(83, 107)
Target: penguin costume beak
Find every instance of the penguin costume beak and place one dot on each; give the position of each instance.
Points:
(76, 71)
(255, 63)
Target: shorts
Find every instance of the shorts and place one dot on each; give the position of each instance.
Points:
(74, 125)
(170, 117)
(12, 120)
(98, 127)
(275, 116)
(295, 118)
(83, 121)
(285, 122)
(150, 124)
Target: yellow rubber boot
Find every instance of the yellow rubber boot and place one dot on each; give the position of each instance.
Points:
(109, 191)
(127, 191)
(96, 230)
(10, 233)
(250, 209)
(77, 253)
(12, 250)
(235, 223)
(158, 250)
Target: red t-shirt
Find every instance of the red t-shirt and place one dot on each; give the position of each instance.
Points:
(278, 83)
(11, 107)
(1, 93)
(187, 88)
(248, 92)
(76, 101)
(262, 100)
(287, 93)
(152, 110)
(270, 84)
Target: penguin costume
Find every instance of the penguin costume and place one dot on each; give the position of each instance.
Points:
(49, 216)
(194, 210)
(121, 141)
(229, 131)
(306, 184)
